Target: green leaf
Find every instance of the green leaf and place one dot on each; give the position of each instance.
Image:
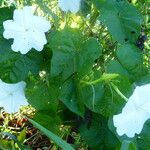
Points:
(122, 20)
(85, 7)
(49, 120)
(92, 97)
(91, 50)
(26, 64)
(144, 80)
(144, 137)
(6, 54)
(63, 45)
(98, 3)
(112, 102)
(55, 138)
(72, 53)
(14, 141)
(129, 63)
(21, 137)
(93, 93)
(6, 13)
(16, 67)
(43, 95)
(110, 92)
(71, 96)
(97, 135)
(128, 145)
(5, 145)
(131, 58)
(113, 66)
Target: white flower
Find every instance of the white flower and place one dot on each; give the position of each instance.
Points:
(69, 5)
(27, 30)
(135, 113)
(12, 96)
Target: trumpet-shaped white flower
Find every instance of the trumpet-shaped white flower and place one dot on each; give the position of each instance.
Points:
(69, 5)
(27, 30)
(12, 96)
(135, 113)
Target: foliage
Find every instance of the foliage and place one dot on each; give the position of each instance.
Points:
(83, 75)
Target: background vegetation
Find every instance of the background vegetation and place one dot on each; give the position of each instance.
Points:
(93, 59)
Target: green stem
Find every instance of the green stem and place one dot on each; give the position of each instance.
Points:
(119, 92)
(100, 80)
(94, 18)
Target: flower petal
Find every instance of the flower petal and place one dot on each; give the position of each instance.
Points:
(37, 40)
(11, 87)
(27, 30)
(74, 8)
(41, 24)
(71, 5)
(11, 28)
(23, 16)
(130, 123)
(12, 96)
(143, 100)
(21, 43)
